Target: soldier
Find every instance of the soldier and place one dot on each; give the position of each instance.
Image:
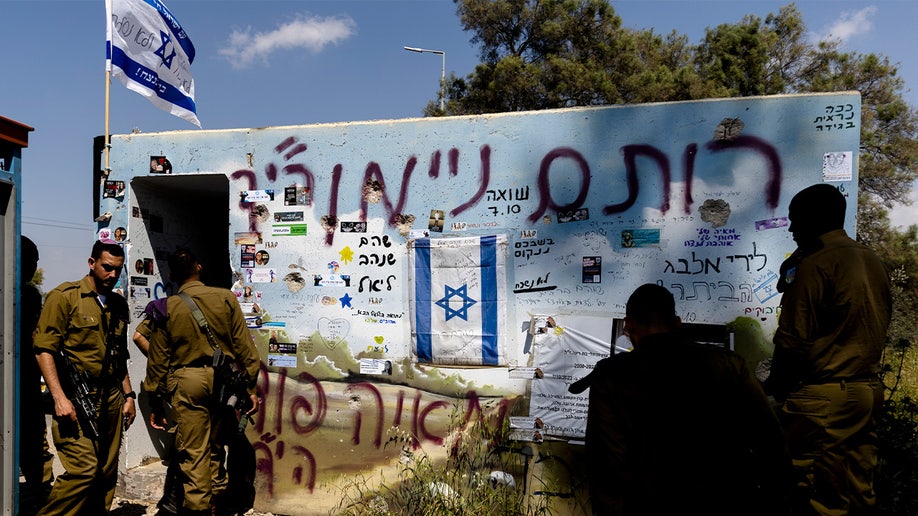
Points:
(35, 458)
(678, 427)
(835, 311)
(82, 333)
(181, 355)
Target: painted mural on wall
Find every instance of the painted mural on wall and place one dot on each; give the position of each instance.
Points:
(337, 235)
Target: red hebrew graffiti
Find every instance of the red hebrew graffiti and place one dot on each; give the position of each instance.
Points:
(630, 153)
(545, 199)
(773, 185)
(373, 174)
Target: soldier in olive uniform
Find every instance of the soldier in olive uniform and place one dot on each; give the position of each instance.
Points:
(835, 311)
(87, 323)
(181, 356)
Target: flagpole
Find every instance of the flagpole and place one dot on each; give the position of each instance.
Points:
(108, 85)
(108, 143)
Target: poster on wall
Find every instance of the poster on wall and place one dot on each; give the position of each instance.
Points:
(567, 353)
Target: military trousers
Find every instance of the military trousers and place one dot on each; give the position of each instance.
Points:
(87, 486)
(200, 454)
(832, 438)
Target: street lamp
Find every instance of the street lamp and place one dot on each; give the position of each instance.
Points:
(442, 72)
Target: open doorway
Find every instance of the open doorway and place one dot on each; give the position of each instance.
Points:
(187, 210)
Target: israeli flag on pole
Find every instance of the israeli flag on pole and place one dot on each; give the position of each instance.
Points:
(149, 52)
(459, 300)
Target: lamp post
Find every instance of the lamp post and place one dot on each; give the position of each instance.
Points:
(442, 72)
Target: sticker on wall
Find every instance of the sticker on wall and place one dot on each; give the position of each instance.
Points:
(120, 234)
(281, 354)
(526, 422)
(250, 308)
(573, 215)
(332, 280)
(288, 216)
(775, 223)
(113, 189)
(353, 227)
(247, 257)
(105, 234)
(138, 266)
(346, 254)
(288, 230)
(253, 321)
(837, 166)
(256, 195)
(140, 281)
(522, 373)
(248, 295)
(640, 238)
(297, 196)
(523, 434)
(260, 275)
(160, 165)
(262, 257)
(140, 293)
(247, 237)
(375, 366)
(436, 220)
(592, 269)
(148, 265)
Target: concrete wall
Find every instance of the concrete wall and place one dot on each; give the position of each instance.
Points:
(591, 203)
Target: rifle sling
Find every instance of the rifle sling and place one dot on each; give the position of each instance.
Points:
(200, 319)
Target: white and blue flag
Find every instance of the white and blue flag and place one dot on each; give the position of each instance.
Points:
(458, 300)
(149, 52)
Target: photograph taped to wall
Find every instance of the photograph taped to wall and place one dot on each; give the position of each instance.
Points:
(113, 189)
(160, 165)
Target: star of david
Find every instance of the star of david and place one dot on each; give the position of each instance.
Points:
(161, 51)
(462, 294)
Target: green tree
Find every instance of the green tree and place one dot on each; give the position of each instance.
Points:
(38, 278)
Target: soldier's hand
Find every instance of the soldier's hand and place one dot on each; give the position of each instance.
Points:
(158, 420)
(254, 402)
(128, 412)
(64, 408)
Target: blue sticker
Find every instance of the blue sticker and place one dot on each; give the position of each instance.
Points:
(789, 275)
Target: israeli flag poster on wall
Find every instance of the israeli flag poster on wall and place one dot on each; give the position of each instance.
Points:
(458, 301)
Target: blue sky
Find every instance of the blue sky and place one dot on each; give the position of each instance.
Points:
(271, 63)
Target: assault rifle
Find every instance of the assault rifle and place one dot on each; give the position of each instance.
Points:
(82, 400)
(231, 388)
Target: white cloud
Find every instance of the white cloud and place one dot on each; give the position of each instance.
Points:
(850, 24)
(311, 33)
